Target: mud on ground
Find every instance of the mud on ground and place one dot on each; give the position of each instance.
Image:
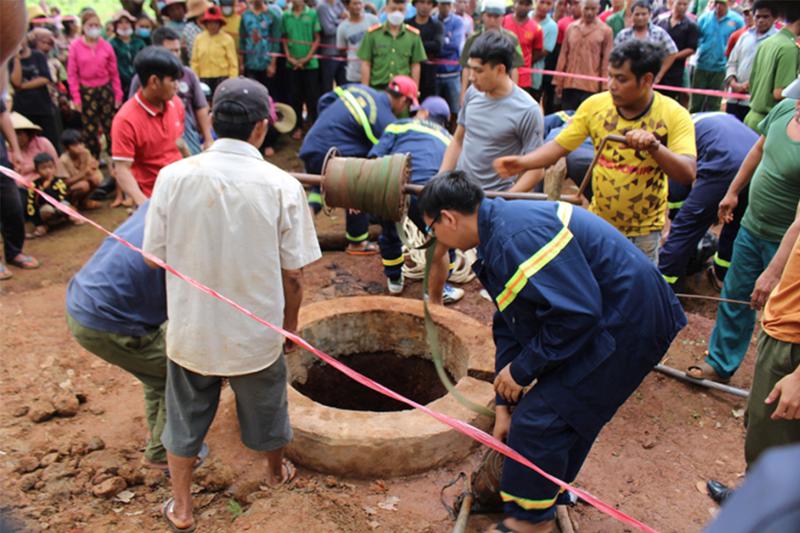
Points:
(72, 428)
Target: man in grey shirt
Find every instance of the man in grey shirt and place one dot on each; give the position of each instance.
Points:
(330, 13)
(497, 119)
(349, 35)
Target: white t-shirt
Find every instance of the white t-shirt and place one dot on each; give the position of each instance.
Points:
(232, 221)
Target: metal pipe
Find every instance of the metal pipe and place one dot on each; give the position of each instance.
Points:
(702, 382)
(316, 179)
(587, 177)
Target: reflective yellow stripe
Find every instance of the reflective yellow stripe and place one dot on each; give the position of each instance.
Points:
(670, 279)
(358, 238)
(721, 262)
(357, 111)
(539, 260)
(393, 262)
(564, 117)
(314, 198)
(530, 504)
(675, 205)
(421, 128)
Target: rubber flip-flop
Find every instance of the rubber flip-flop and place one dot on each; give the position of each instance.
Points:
(5, 273)
(165, 510)
(370, 249)
(705, 371)
(25, 262)
(290, 471)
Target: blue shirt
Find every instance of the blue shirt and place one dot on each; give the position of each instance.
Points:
(116, 292)
(453, 42)
(723, 141)
(338, 127)
(257, 55)
(550, 29)
(714, 35)
(424, 140)
(579, 286)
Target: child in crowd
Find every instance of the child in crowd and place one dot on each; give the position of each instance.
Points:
(301, 29)
(214, 57)
(83, 171)
(37, 209)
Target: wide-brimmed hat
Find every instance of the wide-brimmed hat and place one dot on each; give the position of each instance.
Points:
(166, 3)
(123, 14)
(287, 118)
(212, 14)
(20, 122)
(195, 8)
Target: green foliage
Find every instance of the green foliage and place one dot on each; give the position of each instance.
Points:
(104, 8)
(234, 508)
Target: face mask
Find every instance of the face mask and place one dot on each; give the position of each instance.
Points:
(227, 11)
(125, 33)
(395, 18)
(93, 33)
(143, 32)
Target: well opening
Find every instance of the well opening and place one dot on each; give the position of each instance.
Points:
(414, 377)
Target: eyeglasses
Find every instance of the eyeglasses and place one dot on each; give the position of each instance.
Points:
(428, 232)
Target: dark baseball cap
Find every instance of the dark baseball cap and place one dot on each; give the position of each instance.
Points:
(240, 100)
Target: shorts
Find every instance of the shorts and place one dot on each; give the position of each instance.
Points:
(261, 407)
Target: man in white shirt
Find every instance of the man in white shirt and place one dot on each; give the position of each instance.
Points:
(241, 226)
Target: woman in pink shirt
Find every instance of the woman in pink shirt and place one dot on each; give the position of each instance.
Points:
(94, 82)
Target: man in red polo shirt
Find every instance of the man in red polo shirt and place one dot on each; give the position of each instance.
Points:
(531, 40)
(147, 128)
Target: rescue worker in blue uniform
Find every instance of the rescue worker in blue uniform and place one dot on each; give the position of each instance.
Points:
(579, 309)
(426, 139)
(352, 118)
(723, 142)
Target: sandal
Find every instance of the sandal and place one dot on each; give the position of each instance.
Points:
(5, 273)
(370, 248)
(703, 370)
(289, 471)
(25, 262)
(166, 509)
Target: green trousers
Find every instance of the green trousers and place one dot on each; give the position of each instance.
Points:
(144, 357)
(705, 79)
(775, 359)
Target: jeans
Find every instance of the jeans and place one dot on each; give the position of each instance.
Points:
(649, 244)
(448, 86)
(734, 327)
(331, 70)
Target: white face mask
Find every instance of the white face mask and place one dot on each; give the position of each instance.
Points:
(125, 33)
(227, 11)
(93, 33)
(396, 18)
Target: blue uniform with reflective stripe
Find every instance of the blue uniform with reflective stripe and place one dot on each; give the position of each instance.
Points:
(351, 121)
(427, 142)
(723, 142)
(584, 312)
(338, 126)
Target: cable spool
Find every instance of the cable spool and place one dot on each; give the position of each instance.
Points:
(373, 186)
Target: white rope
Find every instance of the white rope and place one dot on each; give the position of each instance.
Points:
(414, 267)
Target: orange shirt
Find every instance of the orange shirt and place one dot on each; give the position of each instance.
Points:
(782, 313)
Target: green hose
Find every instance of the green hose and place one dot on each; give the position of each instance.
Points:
(432, 335)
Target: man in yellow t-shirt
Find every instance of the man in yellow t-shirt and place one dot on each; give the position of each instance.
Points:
(629, 182)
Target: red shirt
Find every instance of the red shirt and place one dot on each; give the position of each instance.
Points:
(734, 39)
(605, 14)
(146, 136)
(563, 24)
(531, 37)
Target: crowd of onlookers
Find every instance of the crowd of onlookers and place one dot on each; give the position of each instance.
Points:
(74, 71)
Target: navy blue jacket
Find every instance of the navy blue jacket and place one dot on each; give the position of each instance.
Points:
(580, 308)
(426, 142)
(337, 126)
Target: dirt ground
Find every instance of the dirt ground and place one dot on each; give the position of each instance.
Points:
(665, 441)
